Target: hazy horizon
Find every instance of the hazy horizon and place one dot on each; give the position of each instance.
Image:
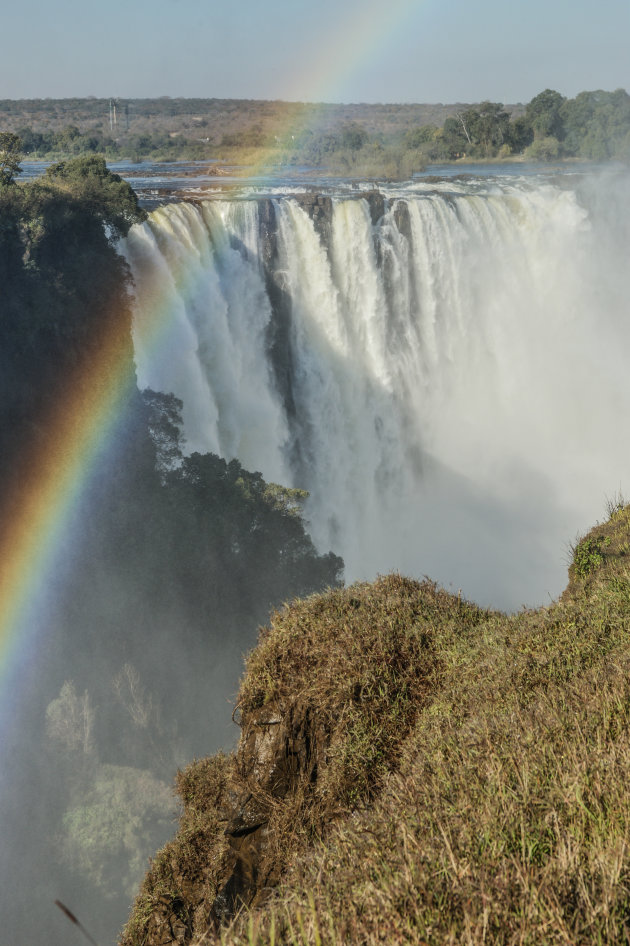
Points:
(412, 51)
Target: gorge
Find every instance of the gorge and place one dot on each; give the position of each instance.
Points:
(441, 365)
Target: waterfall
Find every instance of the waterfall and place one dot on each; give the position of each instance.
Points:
(442, 368)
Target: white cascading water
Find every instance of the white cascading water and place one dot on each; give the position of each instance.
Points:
(458, 371)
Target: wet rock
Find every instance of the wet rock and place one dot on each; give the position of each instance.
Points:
(401, 217)
(319, 209)
(376, 203)
(276, 754)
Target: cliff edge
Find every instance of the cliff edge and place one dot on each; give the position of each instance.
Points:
(415, 769)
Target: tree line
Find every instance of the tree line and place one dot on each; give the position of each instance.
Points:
(592, 126)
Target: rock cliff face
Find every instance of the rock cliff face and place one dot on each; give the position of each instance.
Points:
(276, 754)
(329, 695)
(319, 207)
(64, 299)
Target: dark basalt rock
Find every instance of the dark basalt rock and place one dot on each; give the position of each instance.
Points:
(276, 754)
(319, 209)
(401, 217)
(376, 203)
(279, 330)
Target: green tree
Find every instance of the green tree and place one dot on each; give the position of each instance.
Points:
(352, 136)
(520, 134)
(486, 127)
(10, 157)
(455, 139)
(419, 136)
(164, 422)
(576, 115)
(544, 112)
(109, 197)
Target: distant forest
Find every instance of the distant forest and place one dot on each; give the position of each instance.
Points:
(359, 139)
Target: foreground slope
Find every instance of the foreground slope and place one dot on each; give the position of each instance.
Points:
(413, 769)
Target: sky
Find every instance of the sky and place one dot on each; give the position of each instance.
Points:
(332, 50)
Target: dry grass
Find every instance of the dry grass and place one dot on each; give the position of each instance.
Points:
(492, 775)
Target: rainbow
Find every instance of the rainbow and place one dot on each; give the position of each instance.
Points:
(55, 476)
(354, 41)
(40, 512)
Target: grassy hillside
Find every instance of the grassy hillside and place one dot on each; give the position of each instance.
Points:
(413, 769)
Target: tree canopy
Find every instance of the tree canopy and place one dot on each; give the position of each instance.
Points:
(593, 125)
(10, 157)
(88, 179)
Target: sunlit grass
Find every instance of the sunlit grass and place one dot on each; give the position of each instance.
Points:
(489, 804)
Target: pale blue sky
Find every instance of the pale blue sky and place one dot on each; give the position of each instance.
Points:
(329, 50)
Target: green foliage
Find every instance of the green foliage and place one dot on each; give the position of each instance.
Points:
(487, 126)
(352, 136)
(544, 113)
(118, 821)
(10, 157)
(594, 125)
(247, 535)
(187, 553)
(588, 556)
(164, 422)
(252, 137)
(89, 180)
(234, 535)
(285, 499)
(335, 138)
(543, 149)
(521, 134)
(422, 135)
(114, 815)
(475, 132)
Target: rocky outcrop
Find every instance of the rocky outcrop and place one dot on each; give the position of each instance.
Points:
(319, 208)
(279, 329)
(330, 694)
(276, 754)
